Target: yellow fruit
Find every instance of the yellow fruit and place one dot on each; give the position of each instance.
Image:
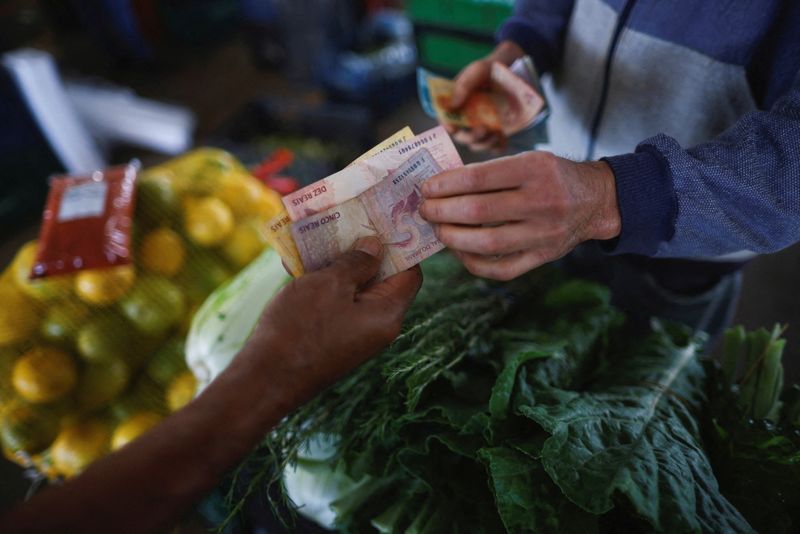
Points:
(242, 193)
(44, 374)
(201, 171)
(162, 252)
(157, 197)
(104, 338)
(18, 317)
(181, 391)
(104, 286)
(27, 428)
(132, 428)
(100, 383)
(42, 289)
(244, 245)
(79, 445)
(62, 322)
(208, 221)
(269, 204)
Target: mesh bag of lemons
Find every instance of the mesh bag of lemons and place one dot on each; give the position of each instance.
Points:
(90, 361)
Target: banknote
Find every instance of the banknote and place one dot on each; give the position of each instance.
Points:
(357, 178)
(388, 210)
(279, 236)
(277, 230)
(509, 106)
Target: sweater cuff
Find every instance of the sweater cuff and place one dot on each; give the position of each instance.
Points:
(518, 31)
(647, 202)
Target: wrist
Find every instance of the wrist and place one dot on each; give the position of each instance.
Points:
(506, 53)
(606, 222)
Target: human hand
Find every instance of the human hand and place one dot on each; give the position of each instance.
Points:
(510, 215)
(475, 77)
(329, 321)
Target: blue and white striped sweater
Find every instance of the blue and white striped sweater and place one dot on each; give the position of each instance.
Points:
(695, 105)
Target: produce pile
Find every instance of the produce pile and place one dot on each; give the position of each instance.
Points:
(89, 361)
(526, 407)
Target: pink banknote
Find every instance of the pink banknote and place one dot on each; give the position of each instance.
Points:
(357, 178)
(389, 210)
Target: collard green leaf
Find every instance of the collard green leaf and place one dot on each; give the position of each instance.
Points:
(526, 498)
(635, 435)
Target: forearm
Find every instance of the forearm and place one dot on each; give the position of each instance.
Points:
(152, 480)
(735, 193)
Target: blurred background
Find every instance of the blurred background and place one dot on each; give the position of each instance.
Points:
(298, 87)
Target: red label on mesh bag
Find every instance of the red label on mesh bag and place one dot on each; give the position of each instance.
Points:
(87, 222)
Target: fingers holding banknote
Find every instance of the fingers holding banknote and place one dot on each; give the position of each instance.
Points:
(330, 321)
(475, 77)
(510, 215)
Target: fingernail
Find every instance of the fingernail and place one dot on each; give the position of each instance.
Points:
(369, 245)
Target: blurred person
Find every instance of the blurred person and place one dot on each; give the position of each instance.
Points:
(317, 329)
(686, 115)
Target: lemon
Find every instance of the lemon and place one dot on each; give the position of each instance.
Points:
(208, 221)
(181, 390)
(269, 204)
(79, 445)
(104, 286)
(44, 374)
(62, 322)
(167, 362)
(201, 171)
(100, 383)
(132, 428)
(204, 273)
(104, 338)
(242, 193)
(157, 198)
(18, 317)
(27, 428)
(244, 245)
(41, 289)
(154, 306)
(162, 252)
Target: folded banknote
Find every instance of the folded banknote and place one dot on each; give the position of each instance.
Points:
(278, 229)
(389, 210)
(513, 106)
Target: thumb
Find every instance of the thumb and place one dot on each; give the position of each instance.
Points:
(361, 262)
(472, 78)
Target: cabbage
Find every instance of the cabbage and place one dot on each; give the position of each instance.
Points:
(228, 316)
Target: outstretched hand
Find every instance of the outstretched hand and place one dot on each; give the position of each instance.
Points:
(507, 216)
(331, 320)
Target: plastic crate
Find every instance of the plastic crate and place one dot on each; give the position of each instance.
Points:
(447, 53)
(480, 16)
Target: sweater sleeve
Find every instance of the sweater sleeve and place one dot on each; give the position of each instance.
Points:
(738, 192)
(538, 27)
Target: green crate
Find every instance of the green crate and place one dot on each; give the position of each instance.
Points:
(447, 53)
(481, 16)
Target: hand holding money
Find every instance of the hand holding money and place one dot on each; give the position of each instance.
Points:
(488, 101)
(375, 196)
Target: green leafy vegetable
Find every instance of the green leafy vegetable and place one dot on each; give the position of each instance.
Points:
(524, 407)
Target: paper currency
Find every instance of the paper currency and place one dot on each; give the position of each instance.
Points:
(510, 106)
(389, 210)
(279, 236)
(277, 230)
(354, 180)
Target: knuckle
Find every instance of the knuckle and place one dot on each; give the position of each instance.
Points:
(491, 243)
(475, 210)
(472, 178)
